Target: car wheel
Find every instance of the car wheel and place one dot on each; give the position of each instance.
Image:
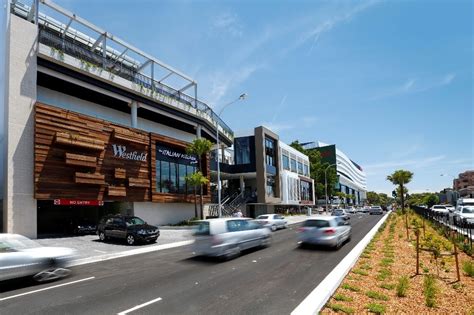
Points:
(349, 238)
(338, 243)
(102, 237)
(130, 239)
(232, 253)
(273, 228)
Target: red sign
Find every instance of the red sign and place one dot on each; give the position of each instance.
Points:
(72, 202)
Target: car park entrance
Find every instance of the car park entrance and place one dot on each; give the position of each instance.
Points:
(74, 217)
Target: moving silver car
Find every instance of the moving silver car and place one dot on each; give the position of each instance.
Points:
(272, 221)
(22, 257)
(376, 210)
(325, 230)
(227, 237)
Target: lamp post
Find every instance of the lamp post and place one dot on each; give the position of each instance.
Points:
(326, 182)
(241, 97)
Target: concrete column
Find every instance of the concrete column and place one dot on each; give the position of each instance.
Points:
(198, 131)
(242, 184)
(134, 113)
(19, 205)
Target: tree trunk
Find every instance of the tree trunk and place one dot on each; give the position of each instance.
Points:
(402, 197)
(201, 204)
(196, 215)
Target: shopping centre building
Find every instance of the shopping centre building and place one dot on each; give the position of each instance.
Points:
(93, 125)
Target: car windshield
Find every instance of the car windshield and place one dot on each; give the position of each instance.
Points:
(262, 217)
(134, 221)
(468, 210)
(338, 211)
(201, 228)
(17, 242)
(316, 223)
(439, 207)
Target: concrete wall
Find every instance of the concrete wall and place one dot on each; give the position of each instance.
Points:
(65, 101)
(19, 208)
(163, 213)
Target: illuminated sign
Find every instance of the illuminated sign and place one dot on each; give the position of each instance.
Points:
(120, 151)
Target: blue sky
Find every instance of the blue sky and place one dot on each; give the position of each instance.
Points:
(390, 82)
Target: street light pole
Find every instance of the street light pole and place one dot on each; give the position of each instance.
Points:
(241, 97)
(326, 183)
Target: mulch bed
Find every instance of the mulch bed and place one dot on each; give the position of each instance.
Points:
(371, 286)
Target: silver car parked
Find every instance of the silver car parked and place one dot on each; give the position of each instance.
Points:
(325, 230)
(22, 257)
(272, 221)
(227, 237)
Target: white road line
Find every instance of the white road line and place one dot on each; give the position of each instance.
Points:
(140, 306)
(99, 251)
(44, 289)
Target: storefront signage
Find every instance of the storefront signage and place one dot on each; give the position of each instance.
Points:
(120, 151)
(173, 154)
(72, 202)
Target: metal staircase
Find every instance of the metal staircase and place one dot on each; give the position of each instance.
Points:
(229, 205)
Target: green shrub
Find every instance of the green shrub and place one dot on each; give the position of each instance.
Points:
(360, 272)
(402, 286)
(386, 262)
(426, 270)
(375, 308)
(376, 295)
(430, 290)
(468, 267)
(341, 308)
(387, 286)
(342, 297)
(350, 287)
(366, 267)
(384, 274)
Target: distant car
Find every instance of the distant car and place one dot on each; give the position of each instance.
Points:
(22, 257)
(325, 230)
(375, 210)
(227, 237)
(272, 221)
(365, 209)
(129, 228)
(450, 208)
(439, 209)
(340, 213)
(351, 210)
(465, 213)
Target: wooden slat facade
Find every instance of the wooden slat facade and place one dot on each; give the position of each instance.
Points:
(75, 158)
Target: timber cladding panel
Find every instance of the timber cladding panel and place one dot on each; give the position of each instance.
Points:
(82, 157)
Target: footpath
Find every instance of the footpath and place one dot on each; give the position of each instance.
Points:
(89, 249)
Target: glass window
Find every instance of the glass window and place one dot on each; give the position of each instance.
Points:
(202, 228)
(286, 162)
(293, 165)
(165, 177)
(316, 223)
(190, 170)
(270, 152)
(173, 180)
(305, 190)
(306, 170)
(242, 150)
(300, 168)
(270, 187)
(181, 178)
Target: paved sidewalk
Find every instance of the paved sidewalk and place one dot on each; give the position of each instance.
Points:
(90, 249)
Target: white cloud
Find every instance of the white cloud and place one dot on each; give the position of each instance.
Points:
(229, 23)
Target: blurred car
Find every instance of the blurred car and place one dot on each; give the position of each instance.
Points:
(129, 228)
(227, 237)
(465, 213)
(439, 209)
(375, 210)
(365, 209)
(340, 213)
(450, 208)
(325, 230)
(22, 257)
(351, 210)
(82, 227)
(272, 221)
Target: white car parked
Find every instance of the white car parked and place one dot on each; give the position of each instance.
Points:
(439, 209)
(272, 221)
(465, 213)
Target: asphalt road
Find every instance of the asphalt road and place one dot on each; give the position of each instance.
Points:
(268, 281)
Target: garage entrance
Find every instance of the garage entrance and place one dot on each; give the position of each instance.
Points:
(61, 220)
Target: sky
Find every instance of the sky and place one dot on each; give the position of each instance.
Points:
(389, 82)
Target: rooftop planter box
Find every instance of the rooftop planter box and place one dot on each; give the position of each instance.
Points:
(120, 173)
(75, 140)
(139, 182)
(130, 136)
(91, 179)
(116, 191)
(81, 160)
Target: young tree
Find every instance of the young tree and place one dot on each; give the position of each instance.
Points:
(430, 200)
(196, 180)
(200, 147)
(401, 178)
(373, 198)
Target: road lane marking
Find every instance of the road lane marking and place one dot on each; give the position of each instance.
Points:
(44, 289)
(139, 306)
(100, 251)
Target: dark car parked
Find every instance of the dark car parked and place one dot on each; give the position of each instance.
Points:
(130, 228)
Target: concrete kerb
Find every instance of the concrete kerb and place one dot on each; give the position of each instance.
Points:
(316, 300)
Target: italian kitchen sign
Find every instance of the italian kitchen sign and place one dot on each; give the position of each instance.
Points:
(165, 153)
(120, 151)
(73, 202)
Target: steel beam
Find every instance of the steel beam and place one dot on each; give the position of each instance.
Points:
(98, 41)
(143, 65)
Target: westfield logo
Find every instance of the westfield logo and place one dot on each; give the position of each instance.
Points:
(120, 151)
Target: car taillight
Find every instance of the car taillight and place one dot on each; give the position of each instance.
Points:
(330, 231)
(216, 240)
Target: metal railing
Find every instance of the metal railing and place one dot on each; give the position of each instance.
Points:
(117, 67)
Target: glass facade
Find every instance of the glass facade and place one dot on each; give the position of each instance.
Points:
(172, 167)
(293, 165)
(306, 170)
(300, 168)
(242, 150)
(270, 186)
(305, 192)
(270, 152)
(286, 162)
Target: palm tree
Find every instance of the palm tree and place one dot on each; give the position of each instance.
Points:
(200, 147)
(196, 180)
(400, 178)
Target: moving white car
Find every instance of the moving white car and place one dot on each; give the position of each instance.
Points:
(376, 210)
(439, 209)
(272, 221)
(22, 257)
(325, 230)
(227, 237)
(464, 202)
(465, 213)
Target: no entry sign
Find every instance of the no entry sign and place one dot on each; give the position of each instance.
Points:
(73, 202)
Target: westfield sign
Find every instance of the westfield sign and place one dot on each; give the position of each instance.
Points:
(120, 151)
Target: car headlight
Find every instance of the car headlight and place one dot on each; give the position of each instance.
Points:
(141, 232)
